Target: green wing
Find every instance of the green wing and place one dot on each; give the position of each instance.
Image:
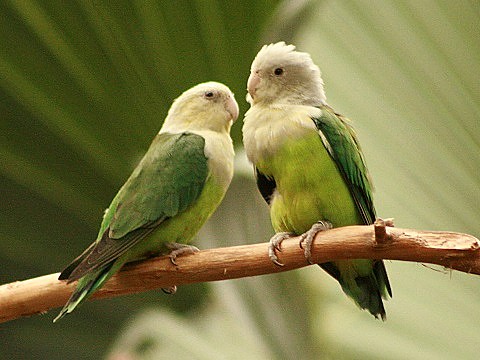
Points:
(341, 142)
(168, 179)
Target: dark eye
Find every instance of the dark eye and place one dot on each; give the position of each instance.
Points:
(278, 71)
(209, 94)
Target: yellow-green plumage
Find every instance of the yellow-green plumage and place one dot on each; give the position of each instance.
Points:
(180, 229)
(183, 227)
(308, 163)
(310, 185)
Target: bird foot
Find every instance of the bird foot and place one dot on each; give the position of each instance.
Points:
(306, 239)
(275, 244)
(170, 290)
(180, 249)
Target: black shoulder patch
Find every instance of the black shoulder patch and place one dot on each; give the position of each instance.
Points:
(266, 185)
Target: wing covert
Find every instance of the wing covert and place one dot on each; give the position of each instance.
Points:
(341, 142)
(167, 180)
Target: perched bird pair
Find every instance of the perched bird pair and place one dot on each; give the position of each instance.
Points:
(307, 161)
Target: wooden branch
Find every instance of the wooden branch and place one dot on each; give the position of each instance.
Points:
(451, 250)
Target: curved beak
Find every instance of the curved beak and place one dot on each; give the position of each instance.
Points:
(252, 83)
(232, 107)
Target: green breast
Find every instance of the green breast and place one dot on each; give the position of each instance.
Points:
(184, 226)
(309, 186)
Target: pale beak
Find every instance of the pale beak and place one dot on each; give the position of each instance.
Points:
(232, 107)
(252, 83)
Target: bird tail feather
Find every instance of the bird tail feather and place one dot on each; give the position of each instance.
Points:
(86, 286)
(366, 288)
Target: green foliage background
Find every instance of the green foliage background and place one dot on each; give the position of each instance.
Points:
(85, 85)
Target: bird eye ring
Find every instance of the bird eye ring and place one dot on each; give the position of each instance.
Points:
(278, 71)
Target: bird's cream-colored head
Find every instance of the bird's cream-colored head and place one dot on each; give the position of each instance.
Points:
(206, 106)
(281, 75)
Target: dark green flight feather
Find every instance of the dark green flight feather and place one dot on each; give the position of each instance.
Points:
(341, 142)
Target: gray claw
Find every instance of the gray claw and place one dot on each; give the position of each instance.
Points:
(180, 249)
(306, 240)
(275, 244)
(276, 262)
(170, 290)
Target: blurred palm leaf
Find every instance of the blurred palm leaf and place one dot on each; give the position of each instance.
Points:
(85, 86)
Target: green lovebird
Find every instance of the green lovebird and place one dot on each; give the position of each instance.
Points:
(309, 166)
(172, 192)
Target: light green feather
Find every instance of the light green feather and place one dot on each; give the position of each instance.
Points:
(309, 185)
(168, 179)
(321, 175)
(340, 140)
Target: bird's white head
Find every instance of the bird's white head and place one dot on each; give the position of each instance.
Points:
(206, 106)
(282, 75)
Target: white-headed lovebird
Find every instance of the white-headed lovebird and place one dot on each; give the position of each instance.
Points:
(309, 165)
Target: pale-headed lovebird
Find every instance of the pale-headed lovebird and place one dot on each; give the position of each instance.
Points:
(172, 192)
(309, 166)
